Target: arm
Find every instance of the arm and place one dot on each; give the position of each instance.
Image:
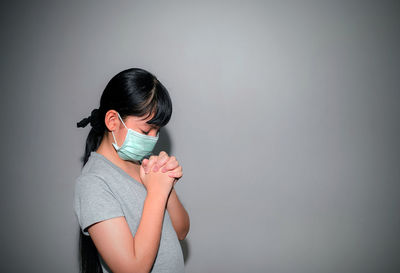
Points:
(120, 250)
(179, 216)
(124, 253)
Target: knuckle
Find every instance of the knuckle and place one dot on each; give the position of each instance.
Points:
(160, 163)
(171, 164)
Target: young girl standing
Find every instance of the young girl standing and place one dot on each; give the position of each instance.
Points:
(129, 214)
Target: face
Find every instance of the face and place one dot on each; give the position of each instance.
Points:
(138, 124)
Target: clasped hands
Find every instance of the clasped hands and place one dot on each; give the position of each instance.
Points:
(165, 164)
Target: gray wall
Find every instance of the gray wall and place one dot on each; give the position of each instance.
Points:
(286, 124)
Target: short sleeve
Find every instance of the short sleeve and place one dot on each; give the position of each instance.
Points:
(94, 201)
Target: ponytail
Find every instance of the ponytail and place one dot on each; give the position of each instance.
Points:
(88, 254)
(96, 120)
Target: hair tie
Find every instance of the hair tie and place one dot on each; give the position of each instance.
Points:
(94, 120)
(83, 122)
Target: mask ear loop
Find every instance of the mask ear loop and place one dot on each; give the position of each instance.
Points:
(122, 120)
(114, 139)
(113, 132)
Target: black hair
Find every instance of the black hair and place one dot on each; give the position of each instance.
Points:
(131, 92)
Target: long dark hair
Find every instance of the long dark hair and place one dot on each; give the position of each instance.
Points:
(132, 92)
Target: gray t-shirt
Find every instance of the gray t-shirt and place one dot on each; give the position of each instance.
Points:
(103, 191)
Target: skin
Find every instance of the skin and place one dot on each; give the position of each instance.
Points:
(112, 237)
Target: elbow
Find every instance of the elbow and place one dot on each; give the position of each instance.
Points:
(182, 236)
(183, 233)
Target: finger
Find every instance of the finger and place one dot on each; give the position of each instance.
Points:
(171, 164)
(145, 162)
(163, 153)
(176, 174)
(150, 164)
(161, 160)
(177, 170)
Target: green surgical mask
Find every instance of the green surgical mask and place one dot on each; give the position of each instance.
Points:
(136, 146)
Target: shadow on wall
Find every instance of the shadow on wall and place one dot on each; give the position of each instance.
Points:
(185, 249)
(164, 143)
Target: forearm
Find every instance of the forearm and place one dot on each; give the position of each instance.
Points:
(178, 214)
(148, 235)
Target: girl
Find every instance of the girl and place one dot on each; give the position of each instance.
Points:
(130, 217)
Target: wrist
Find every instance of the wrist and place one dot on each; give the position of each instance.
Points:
(161, 194)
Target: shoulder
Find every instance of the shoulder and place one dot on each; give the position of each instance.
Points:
(95, 166)
(88, 183)
(89, 179)
(94, 201)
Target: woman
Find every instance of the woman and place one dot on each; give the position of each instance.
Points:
(130, 217)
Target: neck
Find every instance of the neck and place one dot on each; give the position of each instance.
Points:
(107, 150)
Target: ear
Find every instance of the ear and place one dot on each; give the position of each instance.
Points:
(111, 120)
